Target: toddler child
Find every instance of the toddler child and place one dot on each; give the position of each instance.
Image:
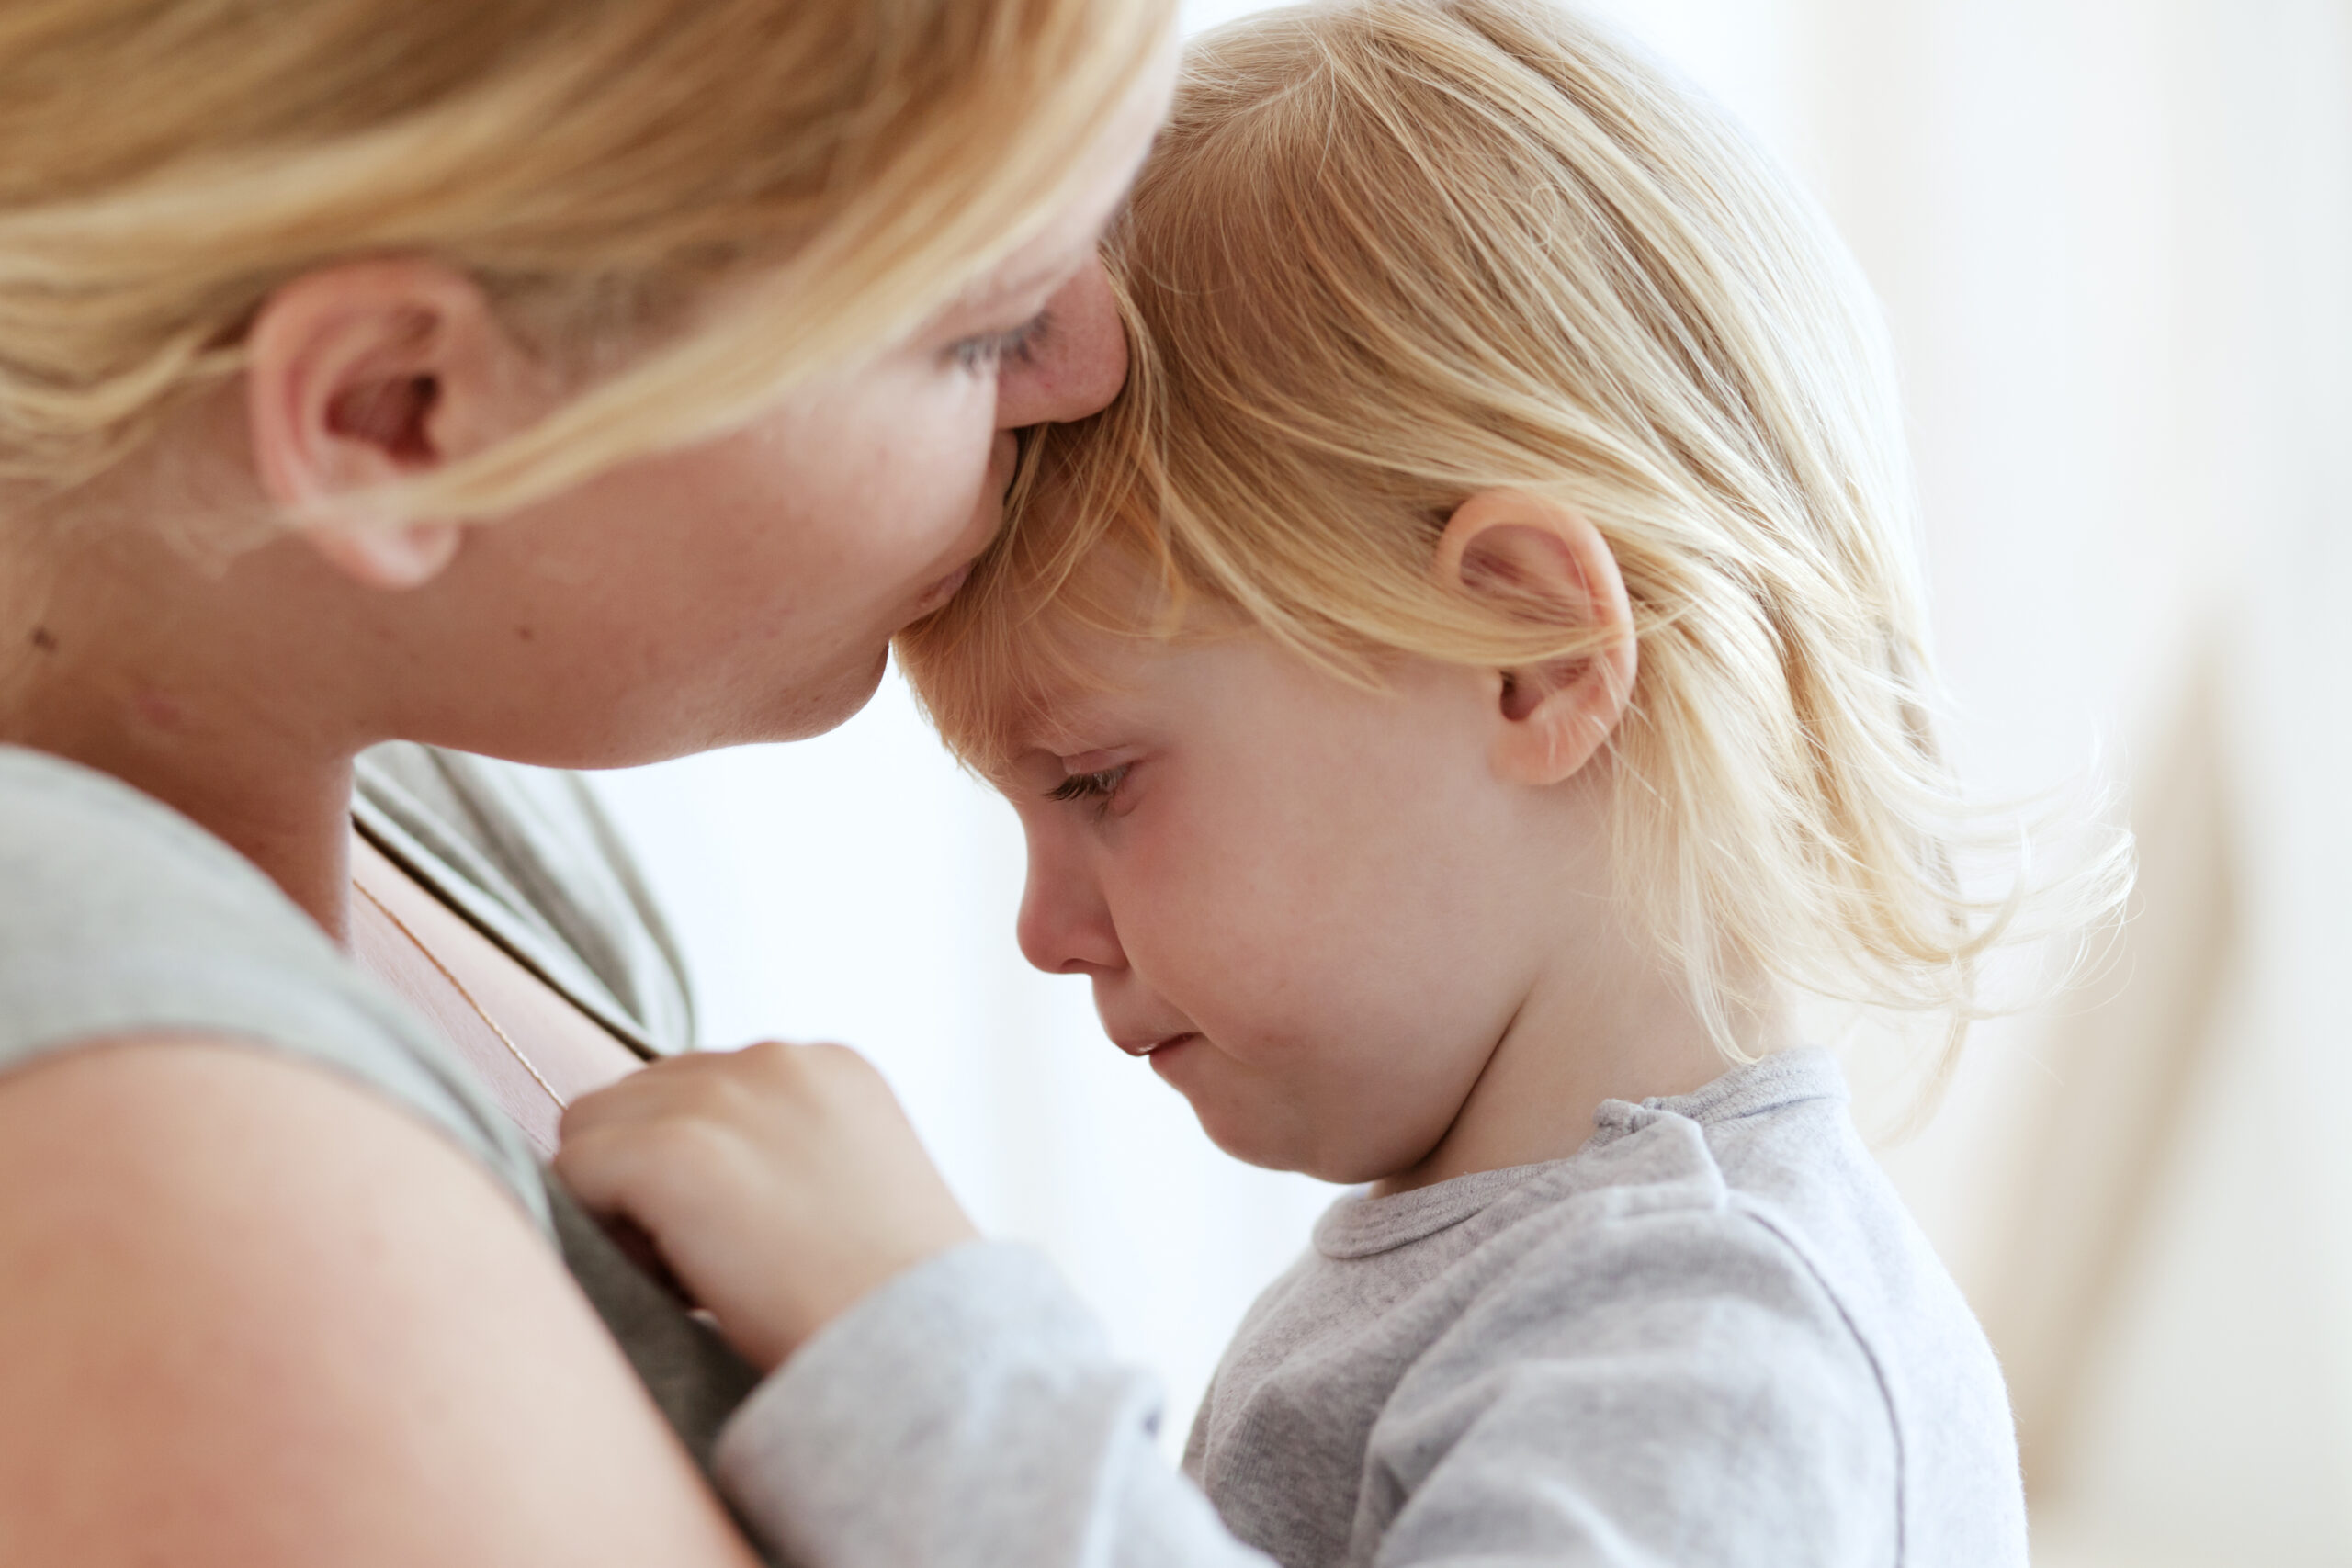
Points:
(1465, 686)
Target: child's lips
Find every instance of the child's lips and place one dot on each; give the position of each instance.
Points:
(1146, 1047)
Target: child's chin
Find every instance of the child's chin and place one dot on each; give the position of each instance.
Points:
(1269, 1144)
(1265, 1154)
(1244, 1137)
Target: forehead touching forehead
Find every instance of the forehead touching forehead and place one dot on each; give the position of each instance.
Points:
(1053, 626)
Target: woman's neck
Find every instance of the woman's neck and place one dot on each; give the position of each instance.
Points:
(180, 693)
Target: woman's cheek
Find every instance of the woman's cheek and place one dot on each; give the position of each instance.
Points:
(947, 470)
(900, 468)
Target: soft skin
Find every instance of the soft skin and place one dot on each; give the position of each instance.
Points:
(1369, 934)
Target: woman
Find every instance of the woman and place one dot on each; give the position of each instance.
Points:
(578, 383)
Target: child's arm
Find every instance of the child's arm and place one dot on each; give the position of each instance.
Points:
(934, 1403)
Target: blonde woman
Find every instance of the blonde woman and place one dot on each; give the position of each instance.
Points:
(577, 382)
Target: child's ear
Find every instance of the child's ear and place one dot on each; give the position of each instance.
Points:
(362, 375)
(1540, 560)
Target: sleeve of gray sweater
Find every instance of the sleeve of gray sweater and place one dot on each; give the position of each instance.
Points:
(968, 1412)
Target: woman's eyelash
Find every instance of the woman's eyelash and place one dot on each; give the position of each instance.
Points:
(994, 351)
(1098, 787)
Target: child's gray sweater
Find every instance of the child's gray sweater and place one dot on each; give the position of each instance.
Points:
(1712, 1335)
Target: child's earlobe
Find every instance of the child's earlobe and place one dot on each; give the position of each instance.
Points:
(1540, 560)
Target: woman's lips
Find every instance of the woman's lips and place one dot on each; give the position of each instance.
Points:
(1004, 461)
(940, 591)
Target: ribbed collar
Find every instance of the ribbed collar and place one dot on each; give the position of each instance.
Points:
(1358, 1225)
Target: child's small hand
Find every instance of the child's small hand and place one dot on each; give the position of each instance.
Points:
(780, 1183)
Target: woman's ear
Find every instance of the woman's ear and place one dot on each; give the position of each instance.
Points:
(359, 376)
(1540, 560)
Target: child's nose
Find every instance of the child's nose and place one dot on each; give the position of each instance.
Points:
(1064, 927)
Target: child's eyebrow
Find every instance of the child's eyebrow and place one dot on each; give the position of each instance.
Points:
(1067, 726)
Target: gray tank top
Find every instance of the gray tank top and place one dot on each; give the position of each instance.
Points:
(120, 916)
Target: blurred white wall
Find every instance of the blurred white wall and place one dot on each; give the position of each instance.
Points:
(2114, 238)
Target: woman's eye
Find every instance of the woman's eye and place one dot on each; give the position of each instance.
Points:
(1098, 787)
(990, 353)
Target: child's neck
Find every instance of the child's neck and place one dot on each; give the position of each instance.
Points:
(1586, 1033)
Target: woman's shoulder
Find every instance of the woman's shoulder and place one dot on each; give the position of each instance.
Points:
(66, 827)
(120, 917)
(262, 1316)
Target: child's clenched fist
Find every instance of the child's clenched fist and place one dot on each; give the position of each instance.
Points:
(780, 1183)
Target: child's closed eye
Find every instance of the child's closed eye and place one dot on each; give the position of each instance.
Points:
(1099, 787)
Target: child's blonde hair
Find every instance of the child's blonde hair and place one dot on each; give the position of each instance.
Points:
(600, 165)
(1393, 252)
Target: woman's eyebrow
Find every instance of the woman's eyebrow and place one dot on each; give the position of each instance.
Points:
(1041, 281)
(995, 301)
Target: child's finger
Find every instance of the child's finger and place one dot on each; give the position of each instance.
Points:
(607, 1167)
(690, 1083)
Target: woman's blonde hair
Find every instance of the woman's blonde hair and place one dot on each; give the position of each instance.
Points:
(597, 165)
(1393, 252)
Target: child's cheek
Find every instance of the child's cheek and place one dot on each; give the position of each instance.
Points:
(1177, 865)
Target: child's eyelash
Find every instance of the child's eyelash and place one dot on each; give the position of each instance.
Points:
(994, 351)
(1098, 787)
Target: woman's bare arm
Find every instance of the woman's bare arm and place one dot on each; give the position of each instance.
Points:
(254, 1315)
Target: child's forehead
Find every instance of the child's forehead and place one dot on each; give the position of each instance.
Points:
(1086, 689)
(1028, 741)
(1097, 645)
(1065, 669)
(1093, 678)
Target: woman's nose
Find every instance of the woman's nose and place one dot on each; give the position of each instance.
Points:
(1079, 362)
(1064, 927)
